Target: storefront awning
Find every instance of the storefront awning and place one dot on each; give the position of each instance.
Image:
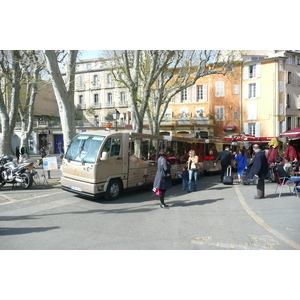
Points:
(229, 127)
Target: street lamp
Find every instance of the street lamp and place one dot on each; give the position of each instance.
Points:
(116, 116)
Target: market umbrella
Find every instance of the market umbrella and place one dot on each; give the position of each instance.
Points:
(292, 134)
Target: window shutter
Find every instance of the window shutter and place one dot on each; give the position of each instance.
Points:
(258, 87)
(280, 86)
(246, 91)
(257, 129)
(246, 128)
(188, 94)
(258, 70)
(217, 90)
(195, 93)
(246, 72)
(281, 109)
(205, 92)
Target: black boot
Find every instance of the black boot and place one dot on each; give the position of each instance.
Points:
(162, 200)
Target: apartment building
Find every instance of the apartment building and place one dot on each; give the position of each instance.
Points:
(258, 96)
(97, 94)
(214, 98)
(270, 94)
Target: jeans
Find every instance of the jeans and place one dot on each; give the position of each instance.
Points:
(185, 184)
(193, 174)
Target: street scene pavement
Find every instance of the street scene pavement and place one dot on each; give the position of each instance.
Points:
(216, 217)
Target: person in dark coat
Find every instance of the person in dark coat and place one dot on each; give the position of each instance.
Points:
(18, 153)
(160, 183)
(258, 167)
(225, 157)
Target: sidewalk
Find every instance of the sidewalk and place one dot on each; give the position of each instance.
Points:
(278, 215)
(55, 175)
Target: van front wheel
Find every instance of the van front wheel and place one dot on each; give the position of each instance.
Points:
(114, 189)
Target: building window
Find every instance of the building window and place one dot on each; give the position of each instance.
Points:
(289, 123)
(96, 99)
(288, 101)
(220, 89)
(122, 98)
(289, 59)
(280, 65)
(96, 80)
(236, 89)
(108, 78)
(252, 71)
(80, 100)
(252, 90)
(184, 96)
(251, 128)
(297, 60)
(199, 92)
(281, 109)
(109, 99)
(199, 112)
(236, 115)
(219, 113)
(281, 86)
(184, 113)
(289, 77)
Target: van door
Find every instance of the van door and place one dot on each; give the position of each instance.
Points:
(116, 164)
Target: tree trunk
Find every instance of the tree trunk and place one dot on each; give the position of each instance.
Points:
(64, 92)
(8, 112)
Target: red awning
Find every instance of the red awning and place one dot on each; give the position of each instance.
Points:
(292, 134)
(229, 127)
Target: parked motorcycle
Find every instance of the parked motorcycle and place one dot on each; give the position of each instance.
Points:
(10, 172)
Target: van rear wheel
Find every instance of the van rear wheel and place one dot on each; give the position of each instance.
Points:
(114, 189)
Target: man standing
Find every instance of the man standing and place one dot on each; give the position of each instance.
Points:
(225, 157)
(258, 167)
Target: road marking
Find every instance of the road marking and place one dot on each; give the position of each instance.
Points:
(12, 200)
(8, 198)
(256, 243)
(261, 222)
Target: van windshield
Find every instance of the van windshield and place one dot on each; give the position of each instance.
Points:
(84, 148)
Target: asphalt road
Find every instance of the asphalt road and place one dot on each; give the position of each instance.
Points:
(216, 217)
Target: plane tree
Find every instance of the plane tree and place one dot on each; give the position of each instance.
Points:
(10, 86)
(63, 85)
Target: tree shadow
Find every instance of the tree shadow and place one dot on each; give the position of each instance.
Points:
(24, 230)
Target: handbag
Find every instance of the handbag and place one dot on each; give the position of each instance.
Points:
(255, 180)
(193, 166)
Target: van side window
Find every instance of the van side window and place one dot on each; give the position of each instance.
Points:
(112, 147)
(115, 147)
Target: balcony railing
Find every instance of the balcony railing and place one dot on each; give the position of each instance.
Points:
(96, 105)
(80, 87)
(95, 86)
(123, 103)
(109, 104)
(80, 106)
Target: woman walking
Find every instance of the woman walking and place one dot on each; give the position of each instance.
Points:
(241, 158)
(163, 179)
(193, 168)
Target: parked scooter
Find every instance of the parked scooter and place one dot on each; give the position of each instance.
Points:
(13, 173)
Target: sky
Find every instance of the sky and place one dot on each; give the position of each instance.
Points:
(89, 54)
